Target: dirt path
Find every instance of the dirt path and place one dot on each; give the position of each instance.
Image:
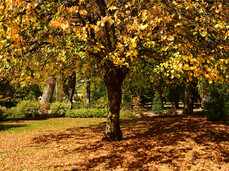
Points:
(178, 112)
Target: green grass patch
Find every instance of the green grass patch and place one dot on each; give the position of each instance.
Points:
(48, 124)
(170, 106)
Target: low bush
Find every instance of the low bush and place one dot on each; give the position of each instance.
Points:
(2, 109)
(13, 113)
(59, 108)
(216, 102)
(87, 113)
(28, 108)
(170, 111)
(78, 105)
(128, 114)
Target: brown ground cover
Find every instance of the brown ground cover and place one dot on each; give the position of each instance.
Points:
(153, 143)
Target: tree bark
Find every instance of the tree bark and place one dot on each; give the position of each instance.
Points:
(69, 87)
(60, 94)
(161, 97)
(189, 98)
(176, 101)
(113, 77)
(87, 93)
(48, 91)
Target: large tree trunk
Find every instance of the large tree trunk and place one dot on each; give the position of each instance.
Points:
(48, 91)
(113, 78)
(69, 87)
(189, 98)
(88, 93)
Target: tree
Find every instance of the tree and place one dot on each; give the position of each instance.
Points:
(157, 104)
(6, 89)
(69, 84)
(112, 34)
(48, 91)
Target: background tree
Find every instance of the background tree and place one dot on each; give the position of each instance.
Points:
(157, 104)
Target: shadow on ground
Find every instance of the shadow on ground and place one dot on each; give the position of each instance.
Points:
(10, 126)
(148, 142)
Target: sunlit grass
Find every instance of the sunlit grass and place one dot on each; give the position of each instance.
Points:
(48, 124)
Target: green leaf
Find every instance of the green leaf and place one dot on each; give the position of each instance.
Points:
(5, 27)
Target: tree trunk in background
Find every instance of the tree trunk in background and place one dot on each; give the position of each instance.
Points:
(69, 87)
(88, 93)
(48, 91)
(189, 98)
(60, 94)
(176, 101)
(160, 91)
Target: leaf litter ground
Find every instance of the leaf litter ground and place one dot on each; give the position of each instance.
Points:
(152, 143)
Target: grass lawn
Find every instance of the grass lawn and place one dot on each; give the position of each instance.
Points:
(170, 106)
(156, 143)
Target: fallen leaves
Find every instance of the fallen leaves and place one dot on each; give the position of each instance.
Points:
(156, 143)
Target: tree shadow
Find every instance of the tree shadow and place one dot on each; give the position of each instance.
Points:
(9, 126)
(38, 118)
(147, 141)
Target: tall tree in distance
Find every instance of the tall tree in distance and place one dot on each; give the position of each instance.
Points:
(69, 84)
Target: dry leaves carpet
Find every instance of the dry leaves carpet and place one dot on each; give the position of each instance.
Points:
(156, 143)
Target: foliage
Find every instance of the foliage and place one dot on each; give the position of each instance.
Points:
(31, 92)
(216, 100)
(78, 105)
(128, 114)
(59, 108)
(28, 108)
(12, 113)
(101, 103)
(86, 113)
(6, 89)
(175, 92)
(98, 92)
(44, 109)
(171, 111)
(157, 104)
(136, 102)
(186, 36)
(137, 82)
(2, 109)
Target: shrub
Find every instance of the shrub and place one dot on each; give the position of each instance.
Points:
(59, 108)
(216, 101)
(136, 102)
(157, 104)
(28, 108)
(171, 111)
(12, 113)
(86, 113)
(2, 109)
(101, 103)
(128, 114)
(78, 105)
(44, 109)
